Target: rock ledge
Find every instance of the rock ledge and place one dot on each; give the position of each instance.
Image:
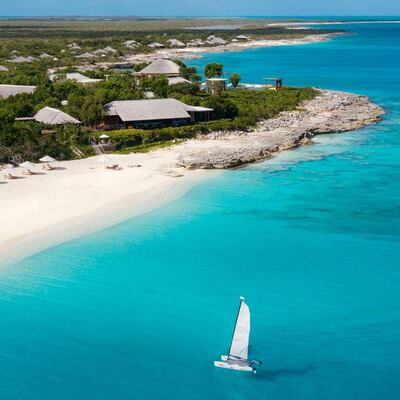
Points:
(330, 112)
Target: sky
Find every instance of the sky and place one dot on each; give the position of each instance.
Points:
(199, 7)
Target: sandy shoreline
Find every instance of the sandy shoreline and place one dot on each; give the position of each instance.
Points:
(37, 212)
(196, 52)
(81, 196)
(41, 211)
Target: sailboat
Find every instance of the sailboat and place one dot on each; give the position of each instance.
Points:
(237, 358)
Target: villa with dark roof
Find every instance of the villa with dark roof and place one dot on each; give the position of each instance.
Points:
(152, 113)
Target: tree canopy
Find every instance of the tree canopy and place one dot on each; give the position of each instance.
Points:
(213, 70)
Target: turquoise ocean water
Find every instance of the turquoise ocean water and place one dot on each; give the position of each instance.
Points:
(311, 238)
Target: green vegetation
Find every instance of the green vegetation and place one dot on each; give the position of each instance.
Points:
(55, 36)
(235, 80)
(63, 40)
(233, 110)
(237, 110)
(213, 70)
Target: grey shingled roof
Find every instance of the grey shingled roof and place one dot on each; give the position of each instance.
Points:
(11, 90)
(109, 49)
(177, 79)
(216, 41)
(176, 43)
(85, 55)
(76, 76)
(3, 68)
(21, 59)
(161, 67)
(150, 110)
(52, 116)
(156, 45)
(131, 43)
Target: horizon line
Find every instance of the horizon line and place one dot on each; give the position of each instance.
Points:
(202, 16)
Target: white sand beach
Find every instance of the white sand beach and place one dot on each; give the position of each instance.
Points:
(196, 52)
(80, 196)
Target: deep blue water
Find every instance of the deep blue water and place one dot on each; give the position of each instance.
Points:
(311, 238)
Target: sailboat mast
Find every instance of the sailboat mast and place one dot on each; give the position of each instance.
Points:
(234, 326)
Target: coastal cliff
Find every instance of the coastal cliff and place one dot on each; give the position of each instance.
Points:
(330, 112)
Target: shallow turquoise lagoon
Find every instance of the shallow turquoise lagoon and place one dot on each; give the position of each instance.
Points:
(311, 238)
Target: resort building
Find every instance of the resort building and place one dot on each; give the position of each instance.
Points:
(156, 45)
(195, 43)
(152, 113)
(177, 79)
(176, 43)
(82, 79)
(86, 55)
(216, 41)
(12, 90)
(162, 67)
(21, 59)
(131, 44)
(52, 116)
(105, 51)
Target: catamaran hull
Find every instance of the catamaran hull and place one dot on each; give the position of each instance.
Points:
(235, 367)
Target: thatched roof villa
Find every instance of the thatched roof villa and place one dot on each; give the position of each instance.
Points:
(20, 59)
(106, 50)
(162, 67)
(242, 38)
(52, 116)
(12, 90)
(132, 44)
(217, 41)
(82, 79)
(176, 43)
(195, 43)
(177, 79)
(85, 55)
(152, 113)
(156, 45)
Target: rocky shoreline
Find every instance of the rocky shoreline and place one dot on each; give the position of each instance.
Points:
(330, 112)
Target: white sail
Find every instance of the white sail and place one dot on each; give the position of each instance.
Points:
(240, 341)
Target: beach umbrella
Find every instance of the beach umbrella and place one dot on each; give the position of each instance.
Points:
(47, 159)
(27, 165)
(8, 172)
(104, 136)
